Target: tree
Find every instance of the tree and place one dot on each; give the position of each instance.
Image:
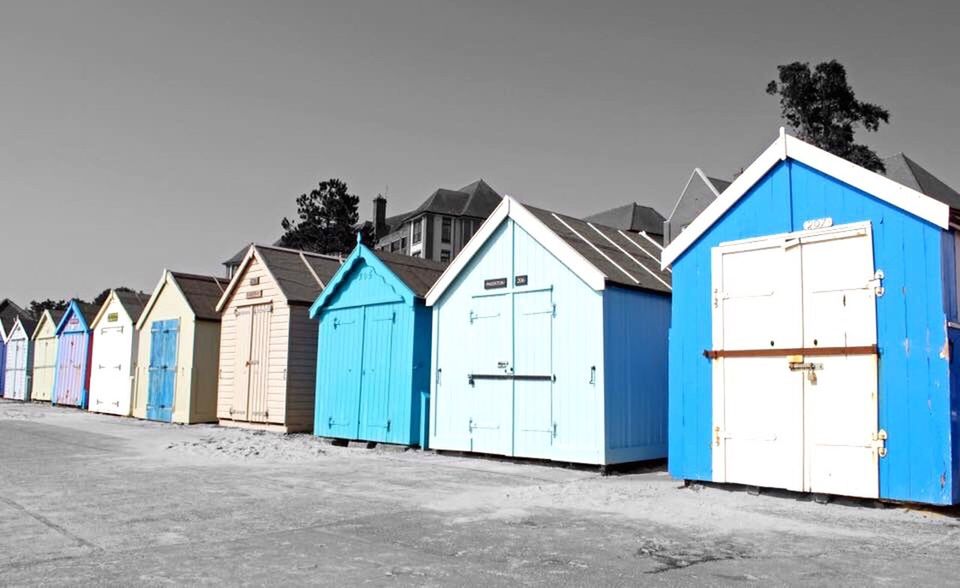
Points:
(821, 108)
(102, 296)
(38, 306)
(327, 219)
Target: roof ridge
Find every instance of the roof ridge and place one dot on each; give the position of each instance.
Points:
(300, 251)
(209, 278)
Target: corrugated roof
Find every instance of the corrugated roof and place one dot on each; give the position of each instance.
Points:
(630, 217)
(294, 271)
(418, 274)
(903, 170)
(202, 293)
(132, 302)
(627, 259)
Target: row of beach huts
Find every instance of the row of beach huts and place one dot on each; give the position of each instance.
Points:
(799, 333)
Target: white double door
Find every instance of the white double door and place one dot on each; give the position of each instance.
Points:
(795, 362)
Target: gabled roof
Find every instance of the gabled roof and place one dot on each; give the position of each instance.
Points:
(9, 311)
(82, 310)
(27, 324)
(300, 275)
(51, 316)
(787, 147)
(201, 294)
(416, 274)
(132, 303)
(476, 200)
(632, 217)
(903, 170)
(598, 254)
(697, 194)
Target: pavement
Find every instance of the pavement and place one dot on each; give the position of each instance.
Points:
(90, 499)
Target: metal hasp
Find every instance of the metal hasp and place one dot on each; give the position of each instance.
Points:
(471, 378)
(880, 443)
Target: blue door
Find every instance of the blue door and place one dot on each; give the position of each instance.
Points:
(162, 369)
(338, 374)
(378, 380)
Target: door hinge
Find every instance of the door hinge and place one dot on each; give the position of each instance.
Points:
(716, 436)
(879, 442)
(877, 283)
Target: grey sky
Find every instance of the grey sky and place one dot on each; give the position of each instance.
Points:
(138, 136)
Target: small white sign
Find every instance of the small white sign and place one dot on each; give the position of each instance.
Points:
(817, 223)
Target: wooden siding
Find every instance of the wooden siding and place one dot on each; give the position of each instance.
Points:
(110, 391)
(301, 369)
(915, 392)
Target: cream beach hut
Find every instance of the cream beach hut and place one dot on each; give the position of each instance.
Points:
(45, 355)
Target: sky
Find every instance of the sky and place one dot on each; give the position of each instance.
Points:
(138, 136)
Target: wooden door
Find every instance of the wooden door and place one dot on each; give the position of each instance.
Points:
(162, 372)
(44, 366)
(377, 377)
(534, 427)
(339, 374)
(71, 369)
(110, 380)
(489, 395)
(16, 369)
(251, 381)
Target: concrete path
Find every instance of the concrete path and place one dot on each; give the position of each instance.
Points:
(92, 499)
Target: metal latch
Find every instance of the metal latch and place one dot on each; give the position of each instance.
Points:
(809, 367)
(877, 283)
(879, 442)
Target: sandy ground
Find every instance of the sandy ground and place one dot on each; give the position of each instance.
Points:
(93, 499)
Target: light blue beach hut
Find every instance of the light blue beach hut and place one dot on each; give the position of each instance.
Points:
(550, 342)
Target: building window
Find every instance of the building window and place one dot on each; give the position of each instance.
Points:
(417, 231)
(467, 230)
(403, 244)
(446, 229)
(444, 255)
(395, 245)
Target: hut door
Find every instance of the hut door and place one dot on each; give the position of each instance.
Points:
(250, 393)
(758, 402)
(112, 381)
(338, 375)
(490, 389)
(379, 323)
(842, 445)
(16, 378)
(71, 362)
(534, 426)
(44, 364)
(164, 337)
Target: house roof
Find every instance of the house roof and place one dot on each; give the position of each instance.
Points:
(132, 302)
(418, 274)
(84, 310)
(633, 217)
(200, 292)
(29, 325)
(785, 147)
(906, 171)
(300, 275)
(598, 254)
(477, 200)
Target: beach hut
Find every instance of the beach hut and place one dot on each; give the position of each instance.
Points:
(178, 349)
(9, 312)
(268, 344)
(550, 342)
(19, 357)
(45, 355)
(373, 371)
(814, 320)
(71, 383)
(115, 352)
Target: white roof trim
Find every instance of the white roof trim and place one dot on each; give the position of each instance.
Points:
(166, 278)
(510, 208)
(626, 236)
(594, 247)
(785, 147)
(103, 308)
(696, 172)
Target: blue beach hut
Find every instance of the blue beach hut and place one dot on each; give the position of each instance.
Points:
(814, 317)
(550, 342)
(373, 356)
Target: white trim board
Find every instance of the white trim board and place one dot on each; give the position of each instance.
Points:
(510, 208)
(879, 186)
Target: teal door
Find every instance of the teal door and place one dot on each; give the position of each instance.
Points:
(534, 425)
(339, 374)
(380, 387)
(162, 372)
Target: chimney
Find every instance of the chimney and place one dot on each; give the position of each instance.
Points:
(379, 216)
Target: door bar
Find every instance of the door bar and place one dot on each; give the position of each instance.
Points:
(471, 378)
(810, 351)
